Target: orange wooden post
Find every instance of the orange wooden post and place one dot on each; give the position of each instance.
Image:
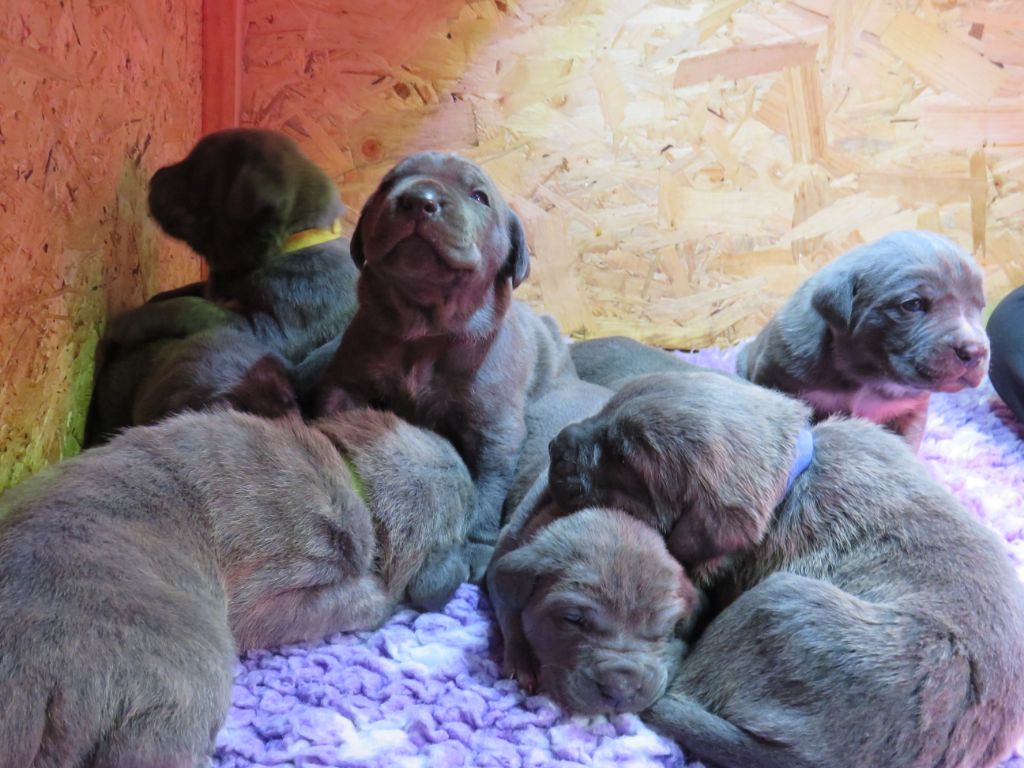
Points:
(222, 64)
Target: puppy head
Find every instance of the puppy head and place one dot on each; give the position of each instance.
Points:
(418, 488)
(438, 231)
(238, 194)
(605, 610)
(906, 309)
(699, 456)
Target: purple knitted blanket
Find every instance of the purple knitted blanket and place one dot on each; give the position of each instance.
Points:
(424, 690)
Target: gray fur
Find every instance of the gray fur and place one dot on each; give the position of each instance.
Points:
(437, 337)
(868, 619)
(611, 360)
(234, 199)
(610, 575)
(130, 574)
(846, 343)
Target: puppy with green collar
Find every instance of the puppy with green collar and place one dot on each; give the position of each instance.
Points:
(131, 575)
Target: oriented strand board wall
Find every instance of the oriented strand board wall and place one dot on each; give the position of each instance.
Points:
(681, 166)
(95, 97)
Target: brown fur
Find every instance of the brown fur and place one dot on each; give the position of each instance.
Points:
(437, 337)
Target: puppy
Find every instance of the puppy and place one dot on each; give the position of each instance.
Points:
(876, 331)
(588, 604)
(1007, 369)
(131, 574)
(610, 360)
(266, 221)
(869, 620)
(437, 337)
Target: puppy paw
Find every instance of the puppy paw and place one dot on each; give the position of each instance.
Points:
(443, 572)
(520, 665)
(479, 557)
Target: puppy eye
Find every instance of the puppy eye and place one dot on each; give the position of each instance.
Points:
(481, 197)
(914, 305)
(574, 619)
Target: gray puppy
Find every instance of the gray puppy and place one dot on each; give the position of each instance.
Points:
(610, 360)
(876, 331)
(588, 604)
(265, 219)
(130, 574)
(437, 336)
(875, 622)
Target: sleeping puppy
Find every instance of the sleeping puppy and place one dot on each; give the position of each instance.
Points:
(610, 360)
(266, 221)
(869, 620)
(876, 331)
(131, 574)
(437, 337)
(588, 604)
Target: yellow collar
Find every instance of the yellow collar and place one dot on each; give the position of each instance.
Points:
(310, 237)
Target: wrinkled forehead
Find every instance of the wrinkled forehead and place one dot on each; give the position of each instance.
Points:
(441, 166)
(921, 262)
(636, 596)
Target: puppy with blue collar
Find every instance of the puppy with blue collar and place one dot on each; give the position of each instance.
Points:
(866, 619)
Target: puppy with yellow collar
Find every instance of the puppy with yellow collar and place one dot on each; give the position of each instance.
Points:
(266, 220)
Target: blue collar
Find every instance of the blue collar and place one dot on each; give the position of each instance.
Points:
(804, 455)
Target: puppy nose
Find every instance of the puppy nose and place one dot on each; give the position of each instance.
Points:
(620, 682)
(564, 442)
(970, 353)
(423, 202)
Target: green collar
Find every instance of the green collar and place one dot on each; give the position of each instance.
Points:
(357, 482)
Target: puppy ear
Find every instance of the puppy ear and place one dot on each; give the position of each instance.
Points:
(355, 245)
(712, 529)
(511, 579)
(834, 299)
(255, 195)
(517, 265)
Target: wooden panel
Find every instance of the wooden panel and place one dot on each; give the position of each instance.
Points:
(95, 97)
(681, 167)
(222, 64)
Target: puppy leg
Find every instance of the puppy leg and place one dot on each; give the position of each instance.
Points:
(497, 455)
(169, 718)
(797, 672)
(911, 426)
(269, 619)
(443, 571)
(510, 582)
(172, 318)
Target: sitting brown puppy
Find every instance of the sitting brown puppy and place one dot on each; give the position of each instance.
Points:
(875, 622)
(591, 606)
(876, 331)
(131, 574)
(437, 337)
(281, 281)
